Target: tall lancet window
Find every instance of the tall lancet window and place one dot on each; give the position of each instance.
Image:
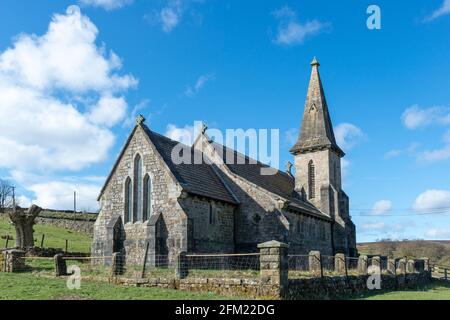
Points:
(147, 197)
(128, 201)
(137, 189)
(311, 180)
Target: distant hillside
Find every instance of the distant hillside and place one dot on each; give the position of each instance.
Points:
(437, 251)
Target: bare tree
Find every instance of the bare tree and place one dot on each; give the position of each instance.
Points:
(6, 195)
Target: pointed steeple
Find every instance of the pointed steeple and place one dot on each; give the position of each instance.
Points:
(316, 130)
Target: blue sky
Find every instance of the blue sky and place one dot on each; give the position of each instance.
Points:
(69, 93)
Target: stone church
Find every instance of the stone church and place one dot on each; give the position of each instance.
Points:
(216, 207)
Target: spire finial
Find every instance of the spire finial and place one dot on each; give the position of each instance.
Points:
(315, 63)
(140, 120)
(204, 128)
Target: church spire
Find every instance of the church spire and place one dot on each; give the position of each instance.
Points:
(316, 130)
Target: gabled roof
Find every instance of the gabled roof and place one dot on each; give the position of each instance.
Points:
(197, 179)
(202, 180)
(280, 183)
(316, 129)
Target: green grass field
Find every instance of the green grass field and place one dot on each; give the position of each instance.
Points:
(26, 286)
(436, 291)
(29, 286)
(54, 237)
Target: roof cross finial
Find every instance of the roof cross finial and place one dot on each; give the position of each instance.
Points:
(140, 120)
(204, 128)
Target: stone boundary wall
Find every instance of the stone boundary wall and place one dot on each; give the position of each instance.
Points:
(73, 225)
(250, 288)
(298, 289)
(274, 283)
(340, 287)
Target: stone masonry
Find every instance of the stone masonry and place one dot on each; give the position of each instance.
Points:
(221, 207)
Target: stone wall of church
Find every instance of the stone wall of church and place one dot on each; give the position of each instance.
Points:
(258, 218)
(210, 225)
(308, 233)
(165, 192)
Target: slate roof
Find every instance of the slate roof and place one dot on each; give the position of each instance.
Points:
(202, 180)
(281, 183)
(198, 179)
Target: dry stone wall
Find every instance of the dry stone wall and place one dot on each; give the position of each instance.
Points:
(69, 224)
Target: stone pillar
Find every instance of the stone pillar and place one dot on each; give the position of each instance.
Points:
(118, 264)
(14, 260)
(410, 266)
(315, 262)
(376, 262)
(401, 269)
(339, 263)
(60, 266)
(391, 266)
(2, 262)
(362, 265)
(181, 266)
(274, 266)
(426, 264)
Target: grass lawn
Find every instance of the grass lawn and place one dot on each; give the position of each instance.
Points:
(25, 286)
(436, 291)
(54, 237)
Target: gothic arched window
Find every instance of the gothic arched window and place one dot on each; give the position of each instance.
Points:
(128, 200)
(147, 197)
(137, 189)
(311, 180)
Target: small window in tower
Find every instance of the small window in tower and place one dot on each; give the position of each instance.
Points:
(211, 213)
(311, 180)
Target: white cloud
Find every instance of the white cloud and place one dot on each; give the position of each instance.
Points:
(416, 117)
(291, 31)
(58, 94)
(108, 111)
(292, 136)
(184, 135)
(373, 226)
(199, 84)
(393, 154)
(440, 234)
(170, 16)
(435, 155)
(23, 202)
(381, 207)
(432, 200)
(60, 195)
(443, 10)
(52, 192)
(348, 135)
(410, 150)
(106, 4)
